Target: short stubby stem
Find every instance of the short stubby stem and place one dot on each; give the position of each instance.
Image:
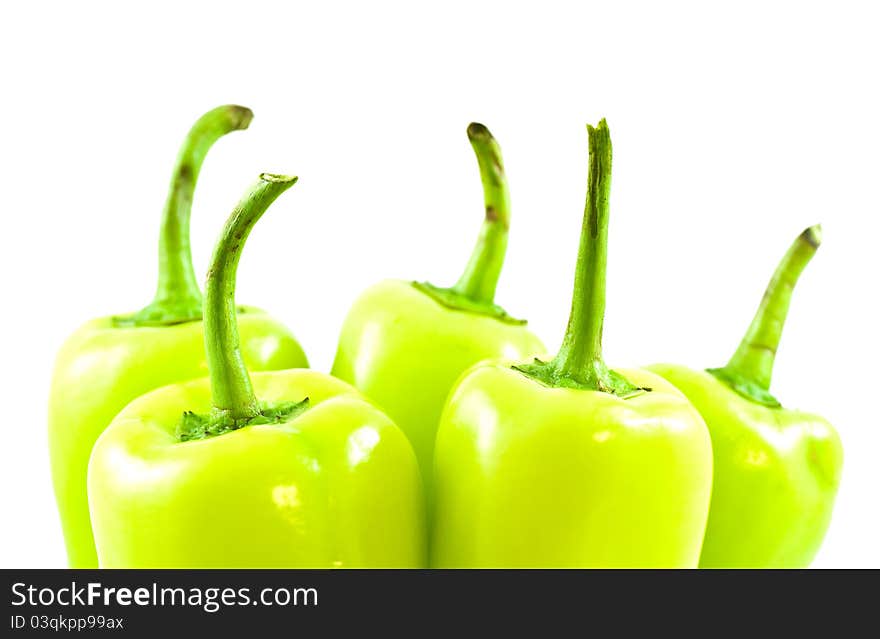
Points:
(231, 389)
(752, 363)
(480, 277)
(178, 297)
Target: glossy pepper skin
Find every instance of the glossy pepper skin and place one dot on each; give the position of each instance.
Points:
(110, 361)
(776, 470)
(566, 463)
(293, 470)
(404, 344)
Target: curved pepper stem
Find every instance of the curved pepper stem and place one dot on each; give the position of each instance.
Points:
(752, 363)
(178, 297)
(480, 277)
(231, 390)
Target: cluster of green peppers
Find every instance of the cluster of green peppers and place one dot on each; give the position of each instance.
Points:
(192, 433)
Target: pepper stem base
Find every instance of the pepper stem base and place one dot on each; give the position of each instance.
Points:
(603, 379)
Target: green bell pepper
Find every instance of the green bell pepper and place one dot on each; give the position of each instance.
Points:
(202, 474)
(112, 360)
(404, 344)
(776, 470)
(566, 463)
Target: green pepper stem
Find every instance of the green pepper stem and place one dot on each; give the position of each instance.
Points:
(480, 277)
(754, 358)
(178, 297)
(231, 389)
(580, 356)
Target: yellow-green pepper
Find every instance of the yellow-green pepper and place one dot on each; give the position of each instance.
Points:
(776, 470)
(566, 463)
(204, 474)
(404, 344)
(110, 361)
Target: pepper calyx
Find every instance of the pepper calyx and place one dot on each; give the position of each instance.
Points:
(548, 374)
(745, 387)
(452, 299)
(166, 315)
(163, 313)
(194, 426)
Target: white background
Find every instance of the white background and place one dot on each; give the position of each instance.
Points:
(733, 129)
